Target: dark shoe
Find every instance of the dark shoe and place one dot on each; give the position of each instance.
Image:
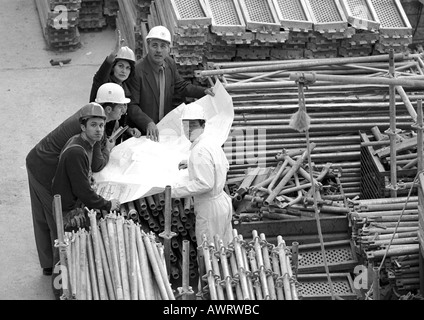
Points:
(47, 271)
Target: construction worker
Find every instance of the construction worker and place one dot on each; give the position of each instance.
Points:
(41, 164)
(117, 68)
(207, 170)
(155, 83)
(73, 179)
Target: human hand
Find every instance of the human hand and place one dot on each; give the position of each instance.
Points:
(110, 144)
(152, 132)
(115, 205)
(183, 165)
(134, 132)
(210, 92)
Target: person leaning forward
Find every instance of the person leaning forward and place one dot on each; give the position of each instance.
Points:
(73, 179)
(41, 164)
(148, 105)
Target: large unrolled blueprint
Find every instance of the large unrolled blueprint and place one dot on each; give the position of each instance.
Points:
(139, 167)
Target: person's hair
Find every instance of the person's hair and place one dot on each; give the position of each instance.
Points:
(132, 66)
(110, 104)
(84, 121)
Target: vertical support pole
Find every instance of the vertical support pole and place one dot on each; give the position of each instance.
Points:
(392, 131)
(167, 234)
(376, 283)
(420, 165)
(57, 207)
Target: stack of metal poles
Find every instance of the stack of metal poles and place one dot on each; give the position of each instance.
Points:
(148, 212)
(376, 223)
(116, 260)
(241, 270)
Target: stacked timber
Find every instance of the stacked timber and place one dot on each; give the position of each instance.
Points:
(115, 260)
(91, 15)
(59, 23)
(148, 212)
(126, 22)
(385, 232)
(110, 12)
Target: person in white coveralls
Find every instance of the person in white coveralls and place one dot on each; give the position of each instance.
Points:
(207, 170)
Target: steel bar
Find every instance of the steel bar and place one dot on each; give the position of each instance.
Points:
(261, 267)
(146, 274)
(249, 275)
(82, 265)
(276, 271)
(268, 267)
(111, 225)
(216, 272)
(155, 264)
(281, 249)
(255, 271)
(225, 268)
(97, 256)
(240, 266)
(95, 294)
(162, 267)
(58, 215)
(107, 261)
(123, 257)
(210, 277)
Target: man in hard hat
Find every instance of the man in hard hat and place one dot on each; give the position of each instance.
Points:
(155, 83)
(118, 67)
(73, 178)
(41, 164)
(207, 170)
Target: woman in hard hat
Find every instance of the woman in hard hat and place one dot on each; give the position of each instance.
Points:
(118, 67)
(42, 160)
(149, 103)
(207, 169)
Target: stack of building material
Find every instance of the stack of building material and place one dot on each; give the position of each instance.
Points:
(91, 15)
(256, 270)
(110, 11)
(264, 103)
(126, 22)
(395, 29)
(115, 260)
(59, 22)
(148, 212)
(386, 230)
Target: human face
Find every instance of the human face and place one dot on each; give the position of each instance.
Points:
(117, 112)
(122, 70)
(192, 129)
(158, 50)
(94, 129)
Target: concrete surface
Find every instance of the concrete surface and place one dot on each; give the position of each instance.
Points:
(35, 98)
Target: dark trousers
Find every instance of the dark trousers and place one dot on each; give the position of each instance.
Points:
(45, 230)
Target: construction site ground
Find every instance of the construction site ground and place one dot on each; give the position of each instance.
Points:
(35, 98)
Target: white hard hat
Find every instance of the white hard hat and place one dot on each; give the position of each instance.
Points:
(125, 53)
(161, 33)
(193, 111)
(111, 93)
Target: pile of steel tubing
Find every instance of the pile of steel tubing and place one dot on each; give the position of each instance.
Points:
(265, 98)
(378, 223)
(284, 192)
(116, 260)
(255, 270)
(149, 213)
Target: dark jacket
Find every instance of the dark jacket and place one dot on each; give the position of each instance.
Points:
(42, 160)
(144, 107)
(72, 180)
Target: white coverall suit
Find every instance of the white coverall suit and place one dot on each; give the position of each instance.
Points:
(207, 169)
